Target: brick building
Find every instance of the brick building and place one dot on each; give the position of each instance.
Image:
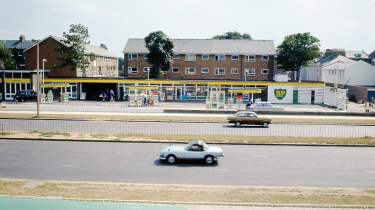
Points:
(17, 47)
(208, 59)
(105, 63)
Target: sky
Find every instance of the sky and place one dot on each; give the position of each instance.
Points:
(347, 24)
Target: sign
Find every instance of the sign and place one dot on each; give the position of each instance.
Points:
(280, 93)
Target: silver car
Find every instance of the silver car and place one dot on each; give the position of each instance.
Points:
(195, 150)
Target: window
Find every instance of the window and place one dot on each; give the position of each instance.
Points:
(176, 56)
(190, 71)
(190, 57)
(219, 71)
(250, 72)
(249, 58)
(175, 70)
(205, 57)
(132, 70)
(264, 71)
(265, 58)
(220, 57)
(145, 56)
(234, 71)
(146, 69)
(132, 56)
(235, 57)
(205, 70)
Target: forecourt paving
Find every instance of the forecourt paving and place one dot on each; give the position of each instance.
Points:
(138, 163)
(175, 128)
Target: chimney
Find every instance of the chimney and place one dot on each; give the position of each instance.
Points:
(103, 46)
(22, 38)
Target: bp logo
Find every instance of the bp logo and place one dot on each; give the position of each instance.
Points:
(280, 93)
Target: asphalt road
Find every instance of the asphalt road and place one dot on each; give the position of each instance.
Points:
(138, 163)
(173, 128)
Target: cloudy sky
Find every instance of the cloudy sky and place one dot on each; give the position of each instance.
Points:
(348, 24)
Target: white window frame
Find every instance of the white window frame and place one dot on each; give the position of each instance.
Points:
(130, 70)
(145, 57)
(237, 72)
(187, 71)
(178, 69)
(132, 56)
(261, 71)
(263, 57)
(250, 72)
(208, 70)
(192, 58)
(208, 57)
(238, 58)
(217, 71)
(247, 58)
(145, 69)
(217, 58)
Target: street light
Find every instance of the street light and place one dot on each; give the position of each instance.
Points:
(148, 73)
(44, 60)
(37, 82)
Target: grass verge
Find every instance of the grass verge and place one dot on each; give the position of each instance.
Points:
(187, 193)
(186, 138)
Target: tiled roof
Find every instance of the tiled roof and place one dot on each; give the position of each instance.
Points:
(17, 44)
(209, 46)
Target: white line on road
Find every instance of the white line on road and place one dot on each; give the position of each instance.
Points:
(125, 153)
(68, 165)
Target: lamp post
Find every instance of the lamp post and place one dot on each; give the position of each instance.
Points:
(37, 82)
(43, 61)
(148, 73)
(245, 74)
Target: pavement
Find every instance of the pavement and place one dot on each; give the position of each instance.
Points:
(12, 203)
(179, 128)
(138, 163)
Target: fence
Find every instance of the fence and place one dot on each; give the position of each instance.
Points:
(177, 129)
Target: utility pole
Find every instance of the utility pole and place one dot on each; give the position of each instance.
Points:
(37, 82)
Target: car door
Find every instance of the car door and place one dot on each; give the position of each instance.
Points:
(194, 152)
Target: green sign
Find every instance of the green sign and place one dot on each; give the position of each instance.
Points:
(280, 93)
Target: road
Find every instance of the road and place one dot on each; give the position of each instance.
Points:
(175, 128)
(138, 163)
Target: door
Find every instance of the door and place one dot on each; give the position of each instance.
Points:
(313, 97)
(295, 96)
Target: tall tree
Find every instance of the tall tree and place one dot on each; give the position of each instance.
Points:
(160, 54)
(74, 53)
(6, 58)
(233, 35)
(298, 50)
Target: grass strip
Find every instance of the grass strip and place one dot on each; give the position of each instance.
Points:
(187, 193)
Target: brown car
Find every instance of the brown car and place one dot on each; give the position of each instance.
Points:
(248, 118)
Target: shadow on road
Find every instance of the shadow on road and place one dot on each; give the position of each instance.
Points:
(243, 126)
(183, 163)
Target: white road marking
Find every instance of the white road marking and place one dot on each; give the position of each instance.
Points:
(369, 172)
(125, 153)
(68, 165)
(260, 156)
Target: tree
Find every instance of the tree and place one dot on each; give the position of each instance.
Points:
(233, 35)
(6, 58)
(297, 50)
(74, 52)
(160, 54)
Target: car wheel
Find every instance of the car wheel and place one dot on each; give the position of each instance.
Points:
(237, 124)
(265, 125)
(209, 160)
(171, 159)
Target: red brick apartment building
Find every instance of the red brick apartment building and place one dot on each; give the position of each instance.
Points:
(208, 59)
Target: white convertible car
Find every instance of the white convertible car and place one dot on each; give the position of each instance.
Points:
(195, 150)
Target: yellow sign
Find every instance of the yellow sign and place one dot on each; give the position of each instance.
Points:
(143, 87)
(16, 80)
(55, 85)
(245, 91)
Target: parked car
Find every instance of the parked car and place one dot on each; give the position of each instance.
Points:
(265, 106)
(195, 150)
(248, 118)
(25, 95)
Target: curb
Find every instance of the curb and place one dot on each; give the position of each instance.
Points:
(343, 114)
(185, 142)
(200, 203)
